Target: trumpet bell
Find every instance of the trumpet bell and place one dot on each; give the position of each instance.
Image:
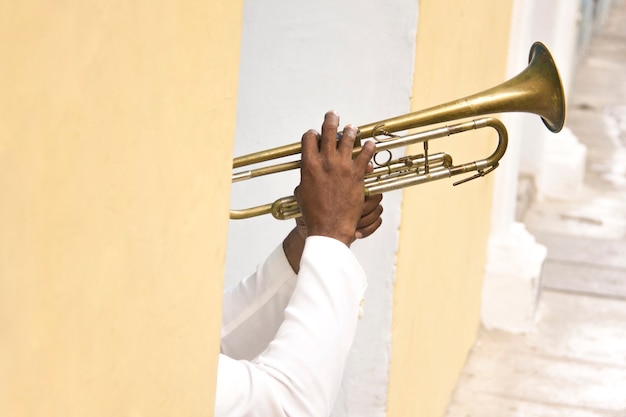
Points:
(537, 90)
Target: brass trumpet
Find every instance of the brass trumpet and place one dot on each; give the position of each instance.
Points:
(537, 89)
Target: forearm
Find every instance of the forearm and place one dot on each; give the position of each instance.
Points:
(300, 371)
(312, 346)
(254, 308)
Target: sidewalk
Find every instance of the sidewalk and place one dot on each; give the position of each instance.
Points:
(574, 363)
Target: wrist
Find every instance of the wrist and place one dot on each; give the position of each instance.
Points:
(346, 237)
(293, 245)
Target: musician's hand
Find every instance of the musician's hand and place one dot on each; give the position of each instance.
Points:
(370, 221)
(331, 191)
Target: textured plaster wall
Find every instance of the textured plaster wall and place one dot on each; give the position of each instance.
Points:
(461, 49)
(116, 129)
(300, 59)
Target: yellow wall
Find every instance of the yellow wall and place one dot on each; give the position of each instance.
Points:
(461, 49)
(116, 129)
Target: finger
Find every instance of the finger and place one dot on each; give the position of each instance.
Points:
(363, 158)
(347, 139)
(370, 217)
(368, 230)
(371, 201)
(309, 143)
(329, 132)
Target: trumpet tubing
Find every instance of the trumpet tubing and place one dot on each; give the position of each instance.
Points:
(537, 89)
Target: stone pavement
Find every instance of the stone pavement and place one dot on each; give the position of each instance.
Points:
(574, 363)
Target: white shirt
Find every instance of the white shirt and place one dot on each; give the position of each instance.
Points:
(286, 338)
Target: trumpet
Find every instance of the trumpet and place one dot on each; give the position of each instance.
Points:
(537, 90)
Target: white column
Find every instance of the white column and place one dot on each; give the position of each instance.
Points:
(512, 276)
(514, 258)
(562, 164)
(298, 60)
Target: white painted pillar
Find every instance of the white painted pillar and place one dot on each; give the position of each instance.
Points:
(298, 60)
(514, 259)
(512, 276)
(560, 173)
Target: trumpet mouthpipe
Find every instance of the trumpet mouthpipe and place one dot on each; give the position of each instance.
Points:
(271, 169)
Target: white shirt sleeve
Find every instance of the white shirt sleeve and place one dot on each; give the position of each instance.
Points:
(300, 371)
(254, 308)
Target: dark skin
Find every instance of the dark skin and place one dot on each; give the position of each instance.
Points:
(331, 193)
